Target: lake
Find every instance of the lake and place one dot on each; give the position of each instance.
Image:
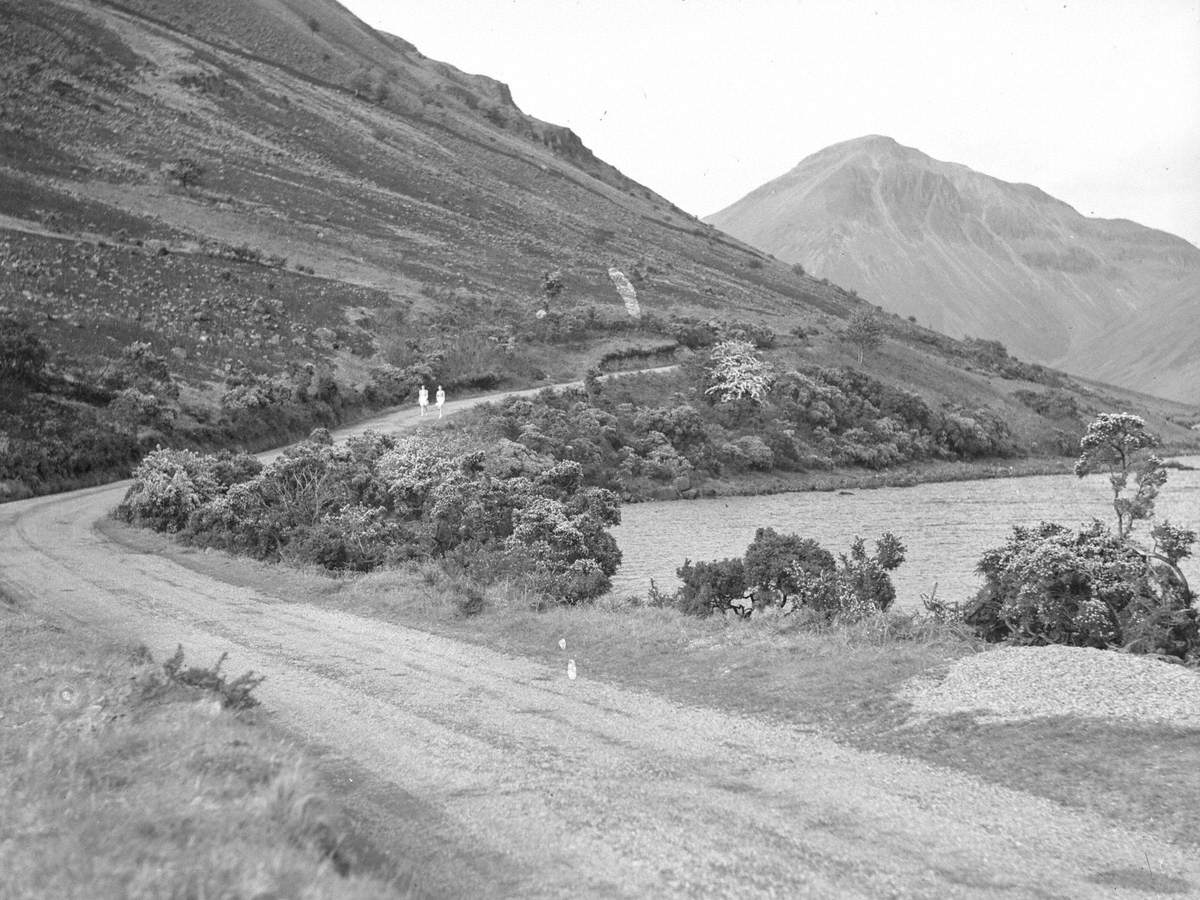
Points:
(946, 526)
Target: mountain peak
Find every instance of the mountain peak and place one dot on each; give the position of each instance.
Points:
(973, 255)
(872, 144)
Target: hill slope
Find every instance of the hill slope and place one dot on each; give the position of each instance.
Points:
(231, 221)
(972, 255)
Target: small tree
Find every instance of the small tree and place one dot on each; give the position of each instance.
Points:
(864, 331)
(735, 371)
(1110, 444)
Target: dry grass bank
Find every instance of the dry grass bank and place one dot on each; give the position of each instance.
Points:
(116, 782)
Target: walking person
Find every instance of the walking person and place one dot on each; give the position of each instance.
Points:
(423, 398)
(441, 400)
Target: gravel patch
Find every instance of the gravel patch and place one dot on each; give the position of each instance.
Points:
(1016, 683)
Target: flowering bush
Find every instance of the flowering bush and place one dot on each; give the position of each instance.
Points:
(1090, 588)
(376, 499)
(169, 485)
(1096, 587)
(737, 372)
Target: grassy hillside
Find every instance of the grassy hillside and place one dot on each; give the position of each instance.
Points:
(227, 223)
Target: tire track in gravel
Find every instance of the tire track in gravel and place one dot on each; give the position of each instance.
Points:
(494, 775)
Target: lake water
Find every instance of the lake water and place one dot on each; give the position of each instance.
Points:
(946, 526)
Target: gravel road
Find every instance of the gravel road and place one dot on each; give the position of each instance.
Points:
(500, 777)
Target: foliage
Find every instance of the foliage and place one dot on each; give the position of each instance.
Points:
(168, 486)
(1111, 442)
(1096, 588)
(709, 585)
(736, 372)
(646, 435)
(785, 562)
(377, 499)
(1091, 588)
(794, 573)
(865, 331)
(234, 694)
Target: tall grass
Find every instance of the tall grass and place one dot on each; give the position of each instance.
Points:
(117, 782)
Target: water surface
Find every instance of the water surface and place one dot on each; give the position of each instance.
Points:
(946, 526)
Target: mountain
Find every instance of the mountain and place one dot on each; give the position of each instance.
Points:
(969, 254)
(228, 222)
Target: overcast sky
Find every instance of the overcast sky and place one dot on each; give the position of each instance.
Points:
(1096, 102)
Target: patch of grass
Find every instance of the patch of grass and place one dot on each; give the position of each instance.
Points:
(1143, 774)
(840, 679)
(116, 781)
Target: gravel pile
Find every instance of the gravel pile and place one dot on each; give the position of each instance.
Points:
(1013, 683)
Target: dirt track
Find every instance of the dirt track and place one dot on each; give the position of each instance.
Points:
(497, 776)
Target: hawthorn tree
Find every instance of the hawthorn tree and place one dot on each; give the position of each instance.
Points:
(736, 371)
(864, 331)
(1111, 444)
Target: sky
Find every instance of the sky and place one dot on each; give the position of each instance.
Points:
(1097, 102)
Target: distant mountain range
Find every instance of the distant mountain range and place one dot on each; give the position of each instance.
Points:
(968, 254)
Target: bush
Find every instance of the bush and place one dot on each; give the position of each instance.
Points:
(1094, 587)
(377, 499)
(1050, 585)
(709, 585)
(785, 562)
(794, 573)
(234, 694)
(168, 486)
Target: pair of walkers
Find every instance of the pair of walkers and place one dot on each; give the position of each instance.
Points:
(423, 399)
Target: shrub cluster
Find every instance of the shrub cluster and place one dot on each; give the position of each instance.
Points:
(1087, 588)
(1097, 587)
(627, 438)
(794, 573)
(376, 499)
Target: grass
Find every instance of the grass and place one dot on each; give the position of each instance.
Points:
(117, 781)
(841, 681)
